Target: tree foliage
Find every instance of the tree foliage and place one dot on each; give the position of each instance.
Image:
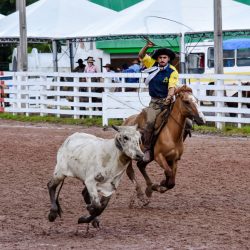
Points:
(9, 6)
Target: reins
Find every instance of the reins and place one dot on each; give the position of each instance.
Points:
(182, 127)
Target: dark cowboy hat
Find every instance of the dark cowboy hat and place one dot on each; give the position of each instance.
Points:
(89, 59)
(79, 61)
(108, 65)
(163, 51)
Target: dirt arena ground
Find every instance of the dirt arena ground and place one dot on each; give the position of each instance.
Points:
(209, 208)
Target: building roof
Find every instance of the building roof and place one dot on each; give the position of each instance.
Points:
(54, 18)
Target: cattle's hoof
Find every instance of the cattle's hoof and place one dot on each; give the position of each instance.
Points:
(52, 216)
(95, 223)
(84, 219)
(91, 208)
(148, 192)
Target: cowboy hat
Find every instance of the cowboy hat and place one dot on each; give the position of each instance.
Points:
(79, 61)
(163, 51)
(89, 59)
(107, 65)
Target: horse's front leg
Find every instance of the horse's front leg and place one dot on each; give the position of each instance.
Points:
(142, 167)
(169, 182)
(131, 174)
(169, 170)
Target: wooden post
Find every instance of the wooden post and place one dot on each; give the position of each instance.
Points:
(55, 60)
(71, 55)
(218, 53)
(22, 55)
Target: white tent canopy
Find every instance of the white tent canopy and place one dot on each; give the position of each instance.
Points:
(173, 16)
(55, 18)
(2, 16)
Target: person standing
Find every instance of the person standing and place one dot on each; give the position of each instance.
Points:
(90, 68)
(81, 66)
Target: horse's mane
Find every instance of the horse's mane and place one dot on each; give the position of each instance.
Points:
(183, 88)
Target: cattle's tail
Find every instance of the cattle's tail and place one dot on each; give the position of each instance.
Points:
(57, 200)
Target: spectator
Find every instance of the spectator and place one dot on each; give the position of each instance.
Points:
(131, 69)
(81, 66)
(135, 66)
(90, 68)
(110, 69)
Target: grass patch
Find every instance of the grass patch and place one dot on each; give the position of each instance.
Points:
(97, 121)
(227, 130)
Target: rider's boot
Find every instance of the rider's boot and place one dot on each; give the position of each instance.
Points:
(148, 131)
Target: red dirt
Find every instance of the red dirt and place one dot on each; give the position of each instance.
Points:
(209, 208)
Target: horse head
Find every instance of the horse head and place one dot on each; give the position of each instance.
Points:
(189, 105)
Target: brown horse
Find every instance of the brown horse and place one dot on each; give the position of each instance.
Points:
(168, 147)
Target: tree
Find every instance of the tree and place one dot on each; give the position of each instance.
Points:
(9, 6)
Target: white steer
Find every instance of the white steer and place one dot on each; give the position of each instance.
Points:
(98, 163)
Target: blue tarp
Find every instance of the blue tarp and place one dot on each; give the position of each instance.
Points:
(240, 43)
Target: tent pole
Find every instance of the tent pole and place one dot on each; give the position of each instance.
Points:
(22, 48)
(71, 55)
(55, 60)
(182, 54)
(218, 54)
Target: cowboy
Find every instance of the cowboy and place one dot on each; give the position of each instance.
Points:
(162, 80)
(109, 68)
(81, 66)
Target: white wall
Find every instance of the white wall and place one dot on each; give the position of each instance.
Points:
(43, 62)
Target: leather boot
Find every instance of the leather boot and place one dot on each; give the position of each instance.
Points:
(148, 131)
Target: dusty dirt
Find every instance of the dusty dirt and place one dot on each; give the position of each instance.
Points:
(209, 208)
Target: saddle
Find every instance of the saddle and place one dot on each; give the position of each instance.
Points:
(160, 122)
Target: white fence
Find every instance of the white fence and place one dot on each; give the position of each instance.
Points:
(86, 95)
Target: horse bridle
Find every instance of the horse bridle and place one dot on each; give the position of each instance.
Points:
(176, 96)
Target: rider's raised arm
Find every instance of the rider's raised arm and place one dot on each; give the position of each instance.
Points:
(144, 58)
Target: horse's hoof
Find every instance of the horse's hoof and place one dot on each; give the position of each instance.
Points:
(145, 202)
(159, 188)
(163, 183)
(84, 219)
(162, 189)
(52, 216)
(148, 192)
(95, 223)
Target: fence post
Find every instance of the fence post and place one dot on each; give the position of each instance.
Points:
(2, 105)
(89, 80)
(239, 103)
(219, 104)
(42, 97)
(104, 109)
(76, 98)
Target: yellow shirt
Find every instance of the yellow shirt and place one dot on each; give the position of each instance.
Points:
(148, 62)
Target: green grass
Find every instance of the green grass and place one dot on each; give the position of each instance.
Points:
(227, 130)
(97, 121)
